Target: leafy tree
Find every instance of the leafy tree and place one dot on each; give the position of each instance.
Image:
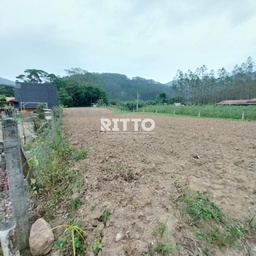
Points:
(64, 98)
(79, 88)
(2, 100)
(161, 98)
(100, 102)
(203, 87)
(7, 90)
(33, 76)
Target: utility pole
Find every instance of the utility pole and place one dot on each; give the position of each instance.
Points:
(137, 104)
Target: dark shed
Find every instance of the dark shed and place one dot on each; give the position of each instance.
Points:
(29, 95)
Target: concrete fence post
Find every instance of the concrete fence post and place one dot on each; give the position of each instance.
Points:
(16, 180)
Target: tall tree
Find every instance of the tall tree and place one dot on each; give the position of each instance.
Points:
(33, 76)
(202, 87)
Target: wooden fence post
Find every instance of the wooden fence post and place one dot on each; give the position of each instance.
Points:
(243, 116)
(16, 180)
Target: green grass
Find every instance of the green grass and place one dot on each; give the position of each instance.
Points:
(210, 225)
(198, 207)
(161, 228)
(75, 203)
(97, 247)
(164, 249)
(79, 155)
(226, 112)
(105, 216)
(51, 157)
(163, 244)
(73, 240)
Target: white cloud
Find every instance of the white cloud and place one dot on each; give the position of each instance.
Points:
(151, 39)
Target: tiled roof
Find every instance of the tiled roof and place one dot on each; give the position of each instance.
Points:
(238, 102)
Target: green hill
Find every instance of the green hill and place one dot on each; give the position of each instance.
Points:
(118, 86)
(6, 81)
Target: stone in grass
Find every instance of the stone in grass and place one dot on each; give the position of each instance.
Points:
(41, 238)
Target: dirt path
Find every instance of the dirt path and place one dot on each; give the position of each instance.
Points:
(137, 176)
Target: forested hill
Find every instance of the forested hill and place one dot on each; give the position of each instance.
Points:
(118, 86)
(6, 81)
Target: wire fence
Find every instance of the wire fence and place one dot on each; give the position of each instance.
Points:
(44, 146)
(36, 146)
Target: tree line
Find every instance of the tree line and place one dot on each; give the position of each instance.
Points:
(82, 88)
(206, 87)
(78, 88)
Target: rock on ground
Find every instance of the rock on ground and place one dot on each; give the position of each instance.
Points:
(41, 238)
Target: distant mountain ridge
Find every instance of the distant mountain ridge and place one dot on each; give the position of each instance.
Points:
(6, 81)
(170, 83)
(119, 86)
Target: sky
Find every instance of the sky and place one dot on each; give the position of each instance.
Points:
(146, 38)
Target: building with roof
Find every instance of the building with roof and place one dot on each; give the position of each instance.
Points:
(29, 95)
(238, 102)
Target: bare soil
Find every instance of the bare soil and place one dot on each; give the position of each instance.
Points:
(138, 176)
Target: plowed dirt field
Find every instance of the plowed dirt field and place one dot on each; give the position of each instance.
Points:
(137, 177)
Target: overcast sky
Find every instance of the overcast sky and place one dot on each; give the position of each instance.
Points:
(146, 38)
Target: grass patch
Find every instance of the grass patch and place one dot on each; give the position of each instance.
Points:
(97, 247)
(79, 155)
(105, 216)
(205, 111)
(53, 180)
(161, 228)
(73, 240)
(198, 207)
(211, 111)
(164, 245)
(210, 225)
(164, 249)
(75, 203)
(54, 173)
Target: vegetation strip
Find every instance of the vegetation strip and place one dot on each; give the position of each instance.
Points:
(210, 225)
(247, 113)
(53, 182)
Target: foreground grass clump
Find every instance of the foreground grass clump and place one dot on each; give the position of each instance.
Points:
(198, 208)
(52, 159)
(164, 245)
(79, 155)
(53, 175)
(210, 225)
(54, 180)
(73, 239)
(229, 112)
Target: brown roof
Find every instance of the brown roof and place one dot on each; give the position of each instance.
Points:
(238, 102)
(10, 99)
